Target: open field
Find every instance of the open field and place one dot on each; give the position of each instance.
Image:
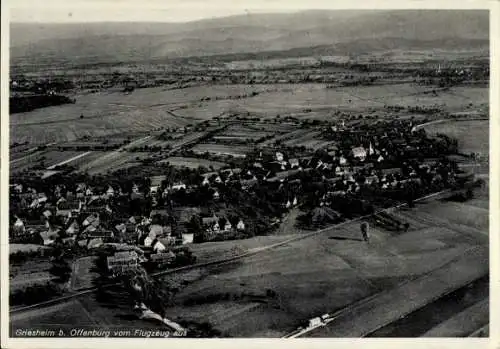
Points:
(472, 136)
(81, 276)
(270, 294)
(341, 269)
(108, 113)
(310, 140)
(13, 248)
(121, 160)
(193, 162)
(223, 249)
(289, 136)
(48, 158)
(221, 149)
(293, 99)
(152, 108)
(242, 133)
(22, 281)
(34, 271)
(280, 127)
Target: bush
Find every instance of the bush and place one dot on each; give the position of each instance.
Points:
(34, 294)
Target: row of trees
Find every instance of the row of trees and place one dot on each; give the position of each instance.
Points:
(21, 104)
(34, 294)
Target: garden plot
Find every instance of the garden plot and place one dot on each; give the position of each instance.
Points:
(472, 136)
(193, 163)
(307, 140)
(119, 160)
(45, 159)
(222, 149)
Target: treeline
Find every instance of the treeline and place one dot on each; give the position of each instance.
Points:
(21, 104)
(34, 294)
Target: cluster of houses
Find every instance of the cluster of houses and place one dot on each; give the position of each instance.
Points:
(215, 225)
(82, 217)
(91, 217)
(384, 156)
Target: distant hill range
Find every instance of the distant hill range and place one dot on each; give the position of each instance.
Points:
(298, 34)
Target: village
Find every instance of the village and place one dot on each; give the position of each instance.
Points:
(152, 220)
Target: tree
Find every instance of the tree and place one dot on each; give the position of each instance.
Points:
(60, 267)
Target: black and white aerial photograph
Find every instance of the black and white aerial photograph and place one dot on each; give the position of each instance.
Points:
(181, 171)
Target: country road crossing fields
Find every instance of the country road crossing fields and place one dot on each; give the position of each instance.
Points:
(271, 293)
(320, 274)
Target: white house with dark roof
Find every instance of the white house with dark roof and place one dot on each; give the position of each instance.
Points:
(178, 186)
(279, 156)
(159, 247)
(294, 163)
(135, 189)
(110, 191)
(39, 200)
(359, 152)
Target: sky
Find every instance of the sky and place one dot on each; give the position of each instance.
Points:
(76, 11)
(67, 11)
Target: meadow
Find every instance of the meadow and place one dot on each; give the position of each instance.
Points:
(222, 149)
(472, 136)
(108, 113)
(268, 294)
(193, 162)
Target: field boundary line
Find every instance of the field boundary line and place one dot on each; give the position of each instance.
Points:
(367, 299)
(79, 156)
(431, 300)
(479, 330)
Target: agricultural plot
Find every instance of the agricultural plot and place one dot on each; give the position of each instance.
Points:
(317, 100)
(44, 158)
(242, 133)
(472, 136)
(187, 139)
(84, 312)
(159, 143)
(113, 161)
(148, 109)
(82, 276)
(35, 271)
(465, 214)
(205, 252)
(103, 114)
(20, 151)
(23, 281)
(454, 100)
(307, 140)
(193, 162)
(221, 149)
(285, 137)
(268, 294)
(13, 248)
(279, 127)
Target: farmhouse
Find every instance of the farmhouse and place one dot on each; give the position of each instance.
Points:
(359, 152)
(73, 228)
(110, 191)
(178, 186)
(68, 208)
